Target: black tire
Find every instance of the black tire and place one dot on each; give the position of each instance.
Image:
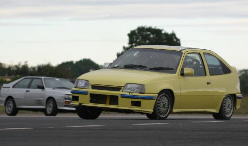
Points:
(151, 116)
(51, 108)
(88, 112)
(10, 107)
(162, 107)
(226, 109)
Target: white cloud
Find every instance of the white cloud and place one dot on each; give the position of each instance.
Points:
(110, 9)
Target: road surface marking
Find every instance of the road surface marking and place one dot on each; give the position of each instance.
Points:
(16, 129)
(81, 126)
(208, 122)
(145, 124)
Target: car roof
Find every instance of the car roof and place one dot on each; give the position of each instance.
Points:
(37, 77)
(165, 47)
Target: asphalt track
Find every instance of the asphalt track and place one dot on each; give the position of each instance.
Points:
(122, 129)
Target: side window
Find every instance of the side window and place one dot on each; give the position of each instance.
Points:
(215, 66)
(35, 83)
(226, 70)
(194, 60)
(22, 84)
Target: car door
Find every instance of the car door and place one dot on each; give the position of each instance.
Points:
(220, 76)
(18, 91)
(34, 95)
(196, 90)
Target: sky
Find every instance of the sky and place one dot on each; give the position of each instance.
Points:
(54, 31)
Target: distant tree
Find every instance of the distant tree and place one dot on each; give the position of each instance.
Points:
(63, 72)
(83, 66)
(144, 35)
(24, 69)
(45, 70)
(68, 70)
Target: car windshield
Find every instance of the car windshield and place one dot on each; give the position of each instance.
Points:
(149, 59)
(57, 83)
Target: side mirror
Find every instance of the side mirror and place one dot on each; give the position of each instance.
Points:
(187, 72)
(40, 87)
(106, 65)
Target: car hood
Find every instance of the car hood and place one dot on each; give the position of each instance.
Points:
(119, 77)
(58, 91)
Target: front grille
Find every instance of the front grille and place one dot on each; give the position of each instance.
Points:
(98, 98)
(75, 98)
(102, 99)
(106, 88)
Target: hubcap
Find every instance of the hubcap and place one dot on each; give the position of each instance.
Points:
(228, 106)
(9, 107)
(49, 106)
(163, 106)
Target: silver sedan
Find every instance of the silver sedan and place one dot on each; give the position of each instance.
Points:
(37, 93)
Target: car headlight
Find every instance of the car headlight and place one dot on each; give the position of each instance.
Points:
(67, 99)
(67, 96)
(82, 84)
(134, 88)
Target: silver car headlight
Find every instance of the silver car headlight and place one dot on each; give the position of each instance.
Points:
(82, 84)
(67, 96)
(134, 88)
(67, 99)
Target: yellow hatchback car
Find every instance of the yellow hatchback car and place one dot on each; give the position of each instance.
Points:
(157, 80)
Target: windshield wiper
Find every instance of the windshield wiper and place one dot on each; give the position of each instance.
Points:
(61, 88)
(161, 68)
(134, 66)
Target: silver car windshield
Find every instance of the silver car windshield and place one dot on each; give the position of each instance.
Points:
(149, 59)
(58, 83)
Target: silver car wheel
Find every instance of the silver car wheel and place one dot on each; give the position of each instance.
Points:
(228, 106)
(9, 107)
(49, 107)
(163, 106)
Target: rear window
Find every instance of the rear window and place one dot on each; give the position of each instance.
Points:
(215, 66)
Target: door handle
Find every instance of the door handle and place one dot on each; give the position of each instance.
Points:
(27, 90)
(208, 83)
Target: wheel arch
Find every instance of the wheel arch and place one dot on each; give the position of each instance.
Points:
(234, 99)
(220, 102)
(50, 97)
(172, 94)
(9, 97)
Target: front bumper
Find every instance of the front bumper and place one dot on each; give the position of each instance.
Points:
(143, 103)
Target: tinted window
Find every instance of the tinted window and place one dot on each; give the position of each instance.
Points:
(22, 84)
(35, 83)
(149, 59)
(226, 70)
(194, 60)
(214, 65)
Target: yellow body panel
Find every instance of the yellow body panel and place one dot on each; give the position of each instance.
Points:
(190, 93)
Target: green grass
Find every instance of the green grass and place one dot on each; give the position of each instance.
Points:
(20, 111)
(2, 110)
(242, 110)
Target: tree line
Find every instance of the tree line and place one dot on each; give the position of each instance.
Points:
(68, 70)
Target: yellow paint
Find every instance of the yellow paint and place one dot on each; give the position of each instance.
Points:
(191, 93)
